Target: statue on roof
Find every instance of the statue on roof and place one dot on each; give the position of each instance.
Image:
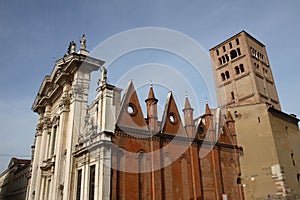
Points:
(72, 47)
(103, 78)
(83, 42)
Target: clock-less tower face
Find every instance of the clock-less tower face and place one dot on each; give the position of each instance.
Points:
(242, 72)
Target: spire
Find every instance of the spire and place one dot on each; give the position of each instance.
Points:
(188, 118)
(151, 93)
(151, 103)
(187, 104)
(207, 109)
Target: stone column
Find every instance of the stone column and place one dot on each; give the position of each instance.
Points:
(78, 106)
(59, 150)
(42, 152)
(35, 161)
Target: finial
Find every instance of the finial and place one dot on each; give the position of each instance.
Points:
(83, 42)
(206, 100)
(207, 109)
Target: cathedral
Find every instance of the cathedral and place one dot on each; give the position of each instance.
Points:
(109, 149)
(247, 148)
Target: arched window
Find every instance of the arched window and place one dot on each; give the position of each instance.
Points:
(237, 70)
(224, 49)
(223, 58)
(168, 178)
(232, 95)
(242, 68)
(230, 45)
(237, 41)
(223, 77)
(233, 54)
(220, 61)
(143, 177)
(227, 58)
(185, 178)
(217, 51)
(227, 75)
(238, 51)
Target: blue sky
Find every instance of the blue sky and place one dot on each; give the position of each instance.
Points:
(33, 34)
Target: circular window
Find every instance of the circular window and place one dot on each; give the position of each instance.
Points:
(131, 109)
(172, 118)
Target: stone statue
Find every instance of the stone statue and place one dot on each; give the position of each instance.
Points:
(83, 42)
(102, 80)
(72, 47)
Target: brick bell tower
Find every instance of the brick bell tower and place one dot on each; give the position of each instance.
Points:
(242, 72)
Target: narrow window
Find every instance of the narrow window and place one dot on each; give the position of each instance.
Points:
(217, 51)
(237, 41)
(298, 178)
(227, 58)
(79, 177)
(223, 58)
(224, 49)
(230, 45)
(140, 175)
(227, 75)
(238, 180)
(242, 68)
(220, 61)
(292, 157)
(92, 183)
(258, 118)
(53, 140)
(237, 70)
(238, 51)
(168, 179)
(223, 76)
(200, 130)
(232, 95)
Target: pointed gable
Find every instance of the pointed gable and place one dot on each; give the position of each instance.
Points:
(131, 115)
(171, 121)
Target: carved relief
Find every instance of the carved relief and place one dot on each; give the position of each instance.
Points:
(65, 101)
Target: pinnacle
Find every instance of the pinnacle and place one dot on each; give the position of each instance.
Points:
(187, 103)
(207, 109)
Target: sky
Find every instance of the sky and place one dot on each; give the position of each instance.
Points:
(34, 33)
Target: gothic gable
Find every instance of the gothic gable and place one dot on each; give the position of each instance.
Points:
(131, 115)
(171, 121)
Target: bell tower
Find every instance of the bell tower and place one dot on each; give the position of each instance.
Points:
(242, 72)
